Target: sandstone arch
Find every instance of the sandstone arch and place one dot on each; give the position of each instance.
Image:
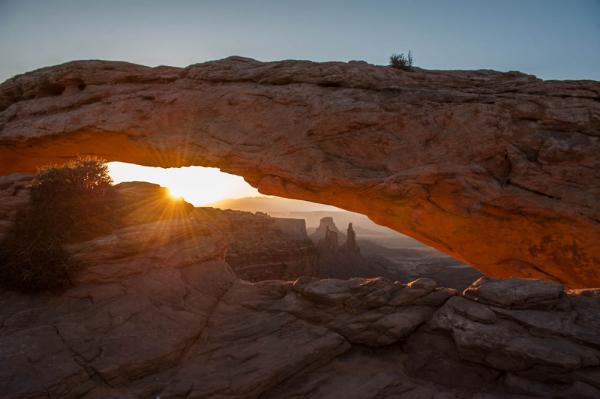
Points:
(499, 170)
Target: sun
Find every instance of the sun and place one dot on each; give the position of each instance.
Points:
(198, 185)
(173, 195)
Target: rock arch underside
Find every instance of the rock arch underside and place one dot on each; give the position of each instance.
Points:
(499, 170)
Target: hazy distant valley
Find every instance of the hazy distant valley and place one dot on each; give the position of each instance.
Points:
(383, 252)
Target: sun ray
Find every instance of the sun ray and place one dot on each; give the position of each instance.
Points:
(197, 185)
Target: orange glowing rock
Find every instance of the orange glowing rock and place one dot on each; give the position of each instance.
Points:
(499, 170)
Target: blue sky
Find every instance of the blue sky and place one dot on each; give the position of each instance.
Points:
(551, 39)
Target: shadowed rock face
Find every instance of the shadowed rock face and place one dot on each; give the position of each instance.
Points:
(167, 323)
(499, 170)
(156, 311)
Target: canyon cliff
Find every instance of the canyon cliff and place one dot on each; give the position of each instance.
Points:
(499, 170)
(261, 247)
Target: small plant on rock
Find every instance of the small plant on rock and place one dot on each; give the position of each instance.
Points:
(401, 61)
(66, 203)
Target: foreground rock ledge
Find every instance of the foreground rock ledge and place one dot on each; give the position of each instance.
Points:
(181, 329)
(500, 170)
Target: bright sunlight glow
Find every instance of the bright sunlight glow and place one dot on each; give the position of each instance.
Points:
(173, 195)
(197, 185)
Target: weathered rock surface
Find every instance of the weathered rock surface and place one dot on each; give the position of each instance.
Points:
(179, 330)
(350, 244)
(102, 335)
(499, 170)
(326, 224)
(151, 225)
(540, 346)
(157, 312)
(261, 247)
(14, 193)
(515, 293)
(340, 257)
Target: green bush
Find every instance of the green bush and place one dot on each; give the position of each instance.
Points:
(401, 61)
(67, 203)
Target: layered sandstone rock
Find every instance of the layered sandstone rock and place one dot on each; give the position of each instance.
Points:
(150, 223)
(497, 169)
(538, 339)
(327, 224)
(157, 312)
(293, 228)
(350, 244)
(261, 247)
(340, 257)
(179, 329)
(14, 194)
